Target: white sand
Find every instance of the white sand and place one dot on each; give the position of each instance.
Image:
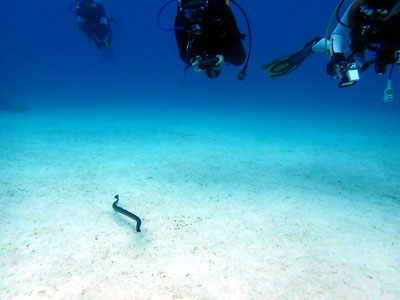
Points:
(267, 206)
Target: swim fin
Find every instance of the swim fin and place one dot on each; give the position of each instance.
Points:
(289, 63)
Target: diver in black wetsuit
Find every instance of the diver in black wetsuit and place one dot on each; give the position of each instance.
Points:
(94, 22)
(208, 35)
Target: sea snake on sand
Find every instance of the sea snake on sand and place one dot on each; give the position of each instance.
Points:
(127, 213)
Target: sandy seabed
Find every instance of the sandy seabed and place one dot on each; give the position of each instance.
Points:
(236, 206)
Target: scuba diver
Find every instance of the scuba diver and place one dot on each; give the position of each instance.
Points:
(367, 25)
(94, 22)
(208, 36)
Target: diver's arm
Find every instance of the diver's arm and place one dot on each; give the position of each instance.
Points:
(339, 41)
(340, 37)
(338, 44)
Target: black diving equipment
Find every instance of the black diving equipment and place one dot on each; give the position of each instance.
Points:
(343, 68)
(388, 92)
(347, 73)
(193, 13)
(191, 4)
(242, 73)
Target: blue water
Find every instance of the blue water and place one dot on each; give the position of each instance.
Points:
(47, 62)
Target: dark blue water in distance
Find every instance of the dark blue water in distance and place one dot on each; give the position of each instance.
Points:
(46, 61)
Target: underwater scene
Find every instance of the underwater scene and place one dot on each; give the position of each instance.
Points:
(200, 149)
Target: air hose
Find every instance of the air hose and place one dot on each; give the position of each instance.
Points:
(159, 16)
(328, 29)
(242, 73)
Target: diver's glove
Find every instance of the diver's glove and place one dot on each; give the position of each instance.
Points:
(201, 64)
(218, 65)
(197, 64)
(336, 66)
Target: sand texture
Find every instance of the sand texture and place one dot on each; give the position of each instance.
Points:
(235, 206)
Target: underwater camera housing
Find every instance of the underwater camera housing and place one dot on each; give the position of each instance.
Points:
(208, 63)
(349, 74)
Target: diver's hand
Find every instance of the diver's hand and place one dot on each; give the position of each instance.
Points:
(218, 65)
(336, 65)
(197, 66)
